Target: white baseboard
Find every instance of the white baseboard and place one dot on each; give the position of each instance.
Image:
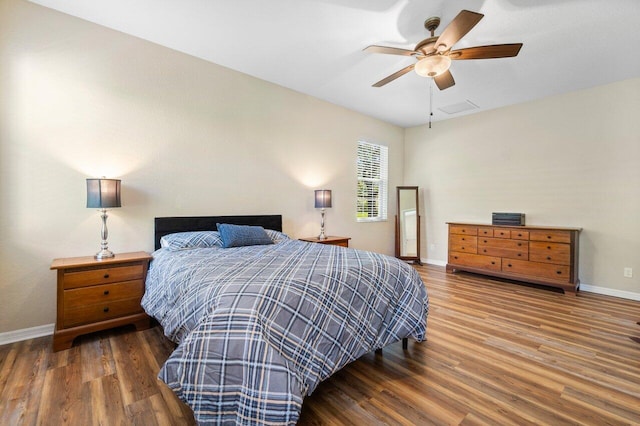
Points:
(434, 262)
(610, 292)
(26, 334)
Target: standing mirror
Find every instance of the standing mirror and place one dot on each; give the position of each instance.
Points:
(408, 224)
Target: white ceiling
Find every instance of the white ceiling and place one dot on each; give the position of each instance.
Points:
(315, 46)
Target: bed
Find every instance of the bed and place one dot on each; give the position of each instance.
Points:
(258, 327)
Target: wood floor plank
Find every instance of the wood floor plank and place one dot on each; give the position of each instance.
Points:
(497, 353)
(106, 402)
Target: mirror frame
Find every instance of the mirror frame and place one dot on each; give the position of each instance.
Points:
(416, 258)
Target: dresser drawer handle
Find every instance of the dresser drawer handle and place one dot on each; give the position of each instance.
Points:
(485, 241)
(106, 292)
(559, 272)
(106, 309)
(106, 275)
(462, 247)
(462, 239)
(519, 244)
(548, 257)
(519, 235)
(493, 263)
(549, 236)
(548, 247)
(485, 250)
(519, 254)
(455, 257)
(509, 265)
(463, 231)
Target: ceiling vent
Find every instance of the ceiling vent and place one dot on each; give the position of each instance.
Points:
(459, 107)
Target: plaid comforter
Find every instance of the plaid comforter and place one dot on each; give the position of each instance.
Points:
(259, 327)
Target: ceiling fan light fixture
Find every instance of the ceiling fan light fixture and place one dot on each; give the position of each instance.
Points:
(432, 66)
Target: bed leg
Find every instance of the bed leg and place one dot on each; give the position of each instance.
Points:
(405, 344)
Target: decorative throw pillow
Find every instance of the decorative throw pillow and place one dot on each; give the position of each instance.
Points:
(242, 235)
(187, 240)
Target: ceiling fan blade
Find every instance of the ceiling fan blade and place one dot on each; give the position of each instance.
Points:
(444, 80)
(393, 76)
(389, 50)
(487, 52)
(461, 24)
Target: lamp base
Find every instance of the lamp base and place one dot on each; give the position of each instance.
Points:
(104, 254)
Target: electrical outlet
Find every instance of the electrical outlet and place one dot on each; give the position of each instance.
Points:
(628, 272)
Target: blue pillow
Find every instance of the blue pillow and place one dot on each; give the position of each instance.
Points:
(242, 235)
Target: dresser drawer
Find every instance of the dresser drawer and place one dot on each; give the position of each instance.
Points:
(547, 271)
(77, 297)
(463, 229)
(475, 261)
(485, 231)
(519, 235)
(83, 278)
(463, 243)
(87, 314)
(550, 252)
(551, 236)
(501, 233)
(514, 249)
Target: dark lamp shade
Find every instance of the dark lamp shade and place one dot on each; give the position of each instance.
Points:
(103, 193)
(323, 198)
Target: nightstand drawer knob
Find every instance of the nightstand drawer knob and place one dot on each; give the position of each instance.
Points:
(106, 292)
(106, 275)
(106, 309)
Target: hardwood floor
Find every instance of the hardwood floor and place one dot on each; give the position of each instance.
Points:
(497, 353)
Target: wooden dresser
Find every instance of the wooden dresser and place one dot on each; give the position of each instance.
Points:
(99, 294)
(533, 254)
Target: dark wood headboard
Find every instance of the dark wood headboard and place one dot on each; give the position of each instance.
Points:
(170, 225)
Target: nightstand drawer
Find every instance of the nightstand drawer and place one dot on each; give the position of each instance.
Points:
(87, 314)
(76, 298)
(103, 275)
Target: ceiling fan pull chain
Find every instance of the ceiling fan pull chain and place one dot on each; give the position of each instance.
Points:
(430, 100)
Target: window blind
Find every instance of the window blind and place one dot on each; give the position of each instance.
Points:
(372, 165)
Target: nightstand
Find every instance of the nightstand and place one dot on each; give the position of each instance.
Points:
(96, 295)
(334, 241)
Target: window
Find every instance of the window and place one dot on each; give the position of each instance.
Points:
(372, 181)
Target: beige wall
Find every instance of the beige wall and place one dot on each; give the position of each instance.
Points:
(569, 160)
(186, 137)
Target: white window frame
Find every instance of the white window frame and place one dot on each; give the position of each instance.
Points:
(372, 166)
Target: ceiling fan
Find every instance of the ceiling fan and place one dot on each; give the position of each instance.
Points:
(434, 54)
